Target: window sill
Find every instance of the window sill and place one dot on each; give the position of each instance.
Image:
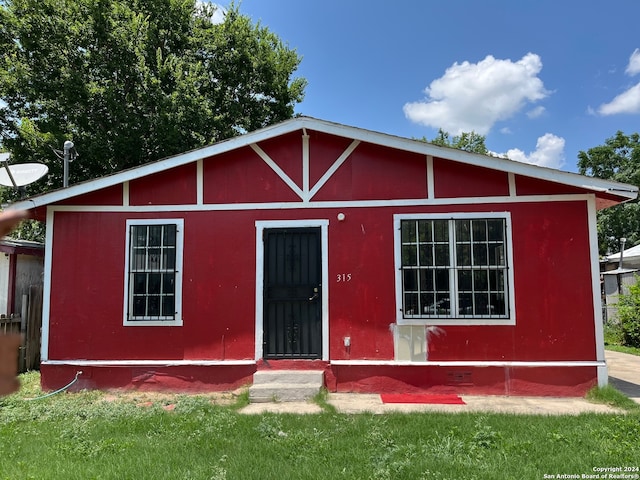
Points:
(152, 323)
(456, 321)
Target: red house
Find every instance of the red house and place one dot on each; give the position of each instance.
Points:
(391, 264)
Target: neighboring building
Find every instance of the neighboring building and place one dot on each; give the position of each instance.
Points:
(21, 266)
(619, 272)
(391, 264)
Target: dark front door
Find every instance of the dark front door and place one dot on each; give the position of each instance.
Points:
(292, 293)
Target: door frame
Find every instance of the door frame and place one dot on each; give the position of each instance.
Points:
(261, 225)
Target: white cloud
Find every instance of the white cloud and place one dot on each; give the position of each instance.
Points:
(474, 96)
(536, 112)
(626, 102)
(549, 152)
(216, 13)
(629, 100)
(634, 63)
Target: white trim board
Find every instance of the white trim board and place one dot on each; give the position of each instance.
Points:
(151, 363)
(488, 201)
(469, 363)
(624, 191)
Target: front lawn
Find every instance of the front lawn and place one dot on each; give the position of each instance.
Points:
(91, 435)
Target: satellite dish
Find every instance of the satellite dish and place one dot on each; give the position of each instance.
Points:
(21, 173)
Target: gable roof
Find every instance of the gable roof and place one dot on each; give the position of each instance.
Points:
(619, 191)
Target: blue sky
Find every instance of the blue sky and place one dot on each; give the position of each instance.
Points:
(541, 79)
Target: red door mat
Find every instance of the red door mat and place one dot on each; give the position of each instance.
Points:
(448, 399)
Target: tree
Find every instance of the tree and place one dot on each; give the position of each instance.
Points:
(467, 141)
(618, 159)
(134, 81)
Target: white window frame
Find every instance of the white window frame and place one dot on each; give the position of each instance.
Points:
(452, 318)
(177, 319)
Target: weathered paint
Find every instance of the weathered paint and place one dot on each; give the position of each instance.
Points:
(354, 188)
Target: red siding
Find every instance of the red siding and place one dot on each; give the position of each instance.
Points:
(286, 151)
(241, 176)
(535, 186)
(457, 180)
(552, 288)
(172, 187)
(324, 150)
(106, 196)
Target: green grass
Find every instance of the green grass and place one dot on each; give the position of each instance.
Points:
(611, 396)
(83, 436)
(613, 340)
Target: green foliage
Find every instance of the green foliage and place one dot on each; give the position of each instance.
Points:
(133, 81)
(467, 141)
(618, 159)
(629, 315)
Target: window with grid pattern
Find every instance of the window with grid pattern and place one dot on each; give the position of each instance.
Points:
(153, 273)
(454, 268)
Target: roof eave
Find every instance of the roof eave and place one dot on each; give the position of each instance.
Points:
(623, 191)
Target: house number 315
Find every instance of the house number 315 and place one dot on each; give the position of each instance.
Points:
(343, 277)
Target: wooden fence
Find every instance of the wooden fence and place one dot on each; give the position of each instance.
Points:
(29, 324)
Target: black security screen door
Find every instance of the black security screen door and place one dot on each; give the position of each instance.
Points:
(292, 293)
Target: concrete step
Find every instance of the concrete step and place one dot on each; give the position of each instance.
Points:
(285, 385)
(282, 392)
(288, 376)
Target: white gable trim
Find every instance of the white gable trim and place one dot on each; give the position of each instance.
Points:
(625, 191)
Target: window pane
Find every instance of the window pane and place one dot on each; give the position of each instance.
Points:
(496, 255)
(465, 304)
(154, 259)
(428, 304)
(496, 229)
(139, 283)
(496, 280)
(138, 259)
(479, 230)
(480, 254)
(139, 306)
(153, 306)
(409, 257)
(426, 255)
(463, 255)
(408, 229)
(442, 280)
(442, 255)
(498, 304)
(411, 303)
(168, 306)
(169, 235)
(169, 260)
(480, 281)
(463, 230)
(442, 303)
(464, 280)
(441, 230)
(155, 280)
(424, 231)
(410, 280)
(138, 235)
(481, 304)
(155, 235)
(168, 283)
(426, 280)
